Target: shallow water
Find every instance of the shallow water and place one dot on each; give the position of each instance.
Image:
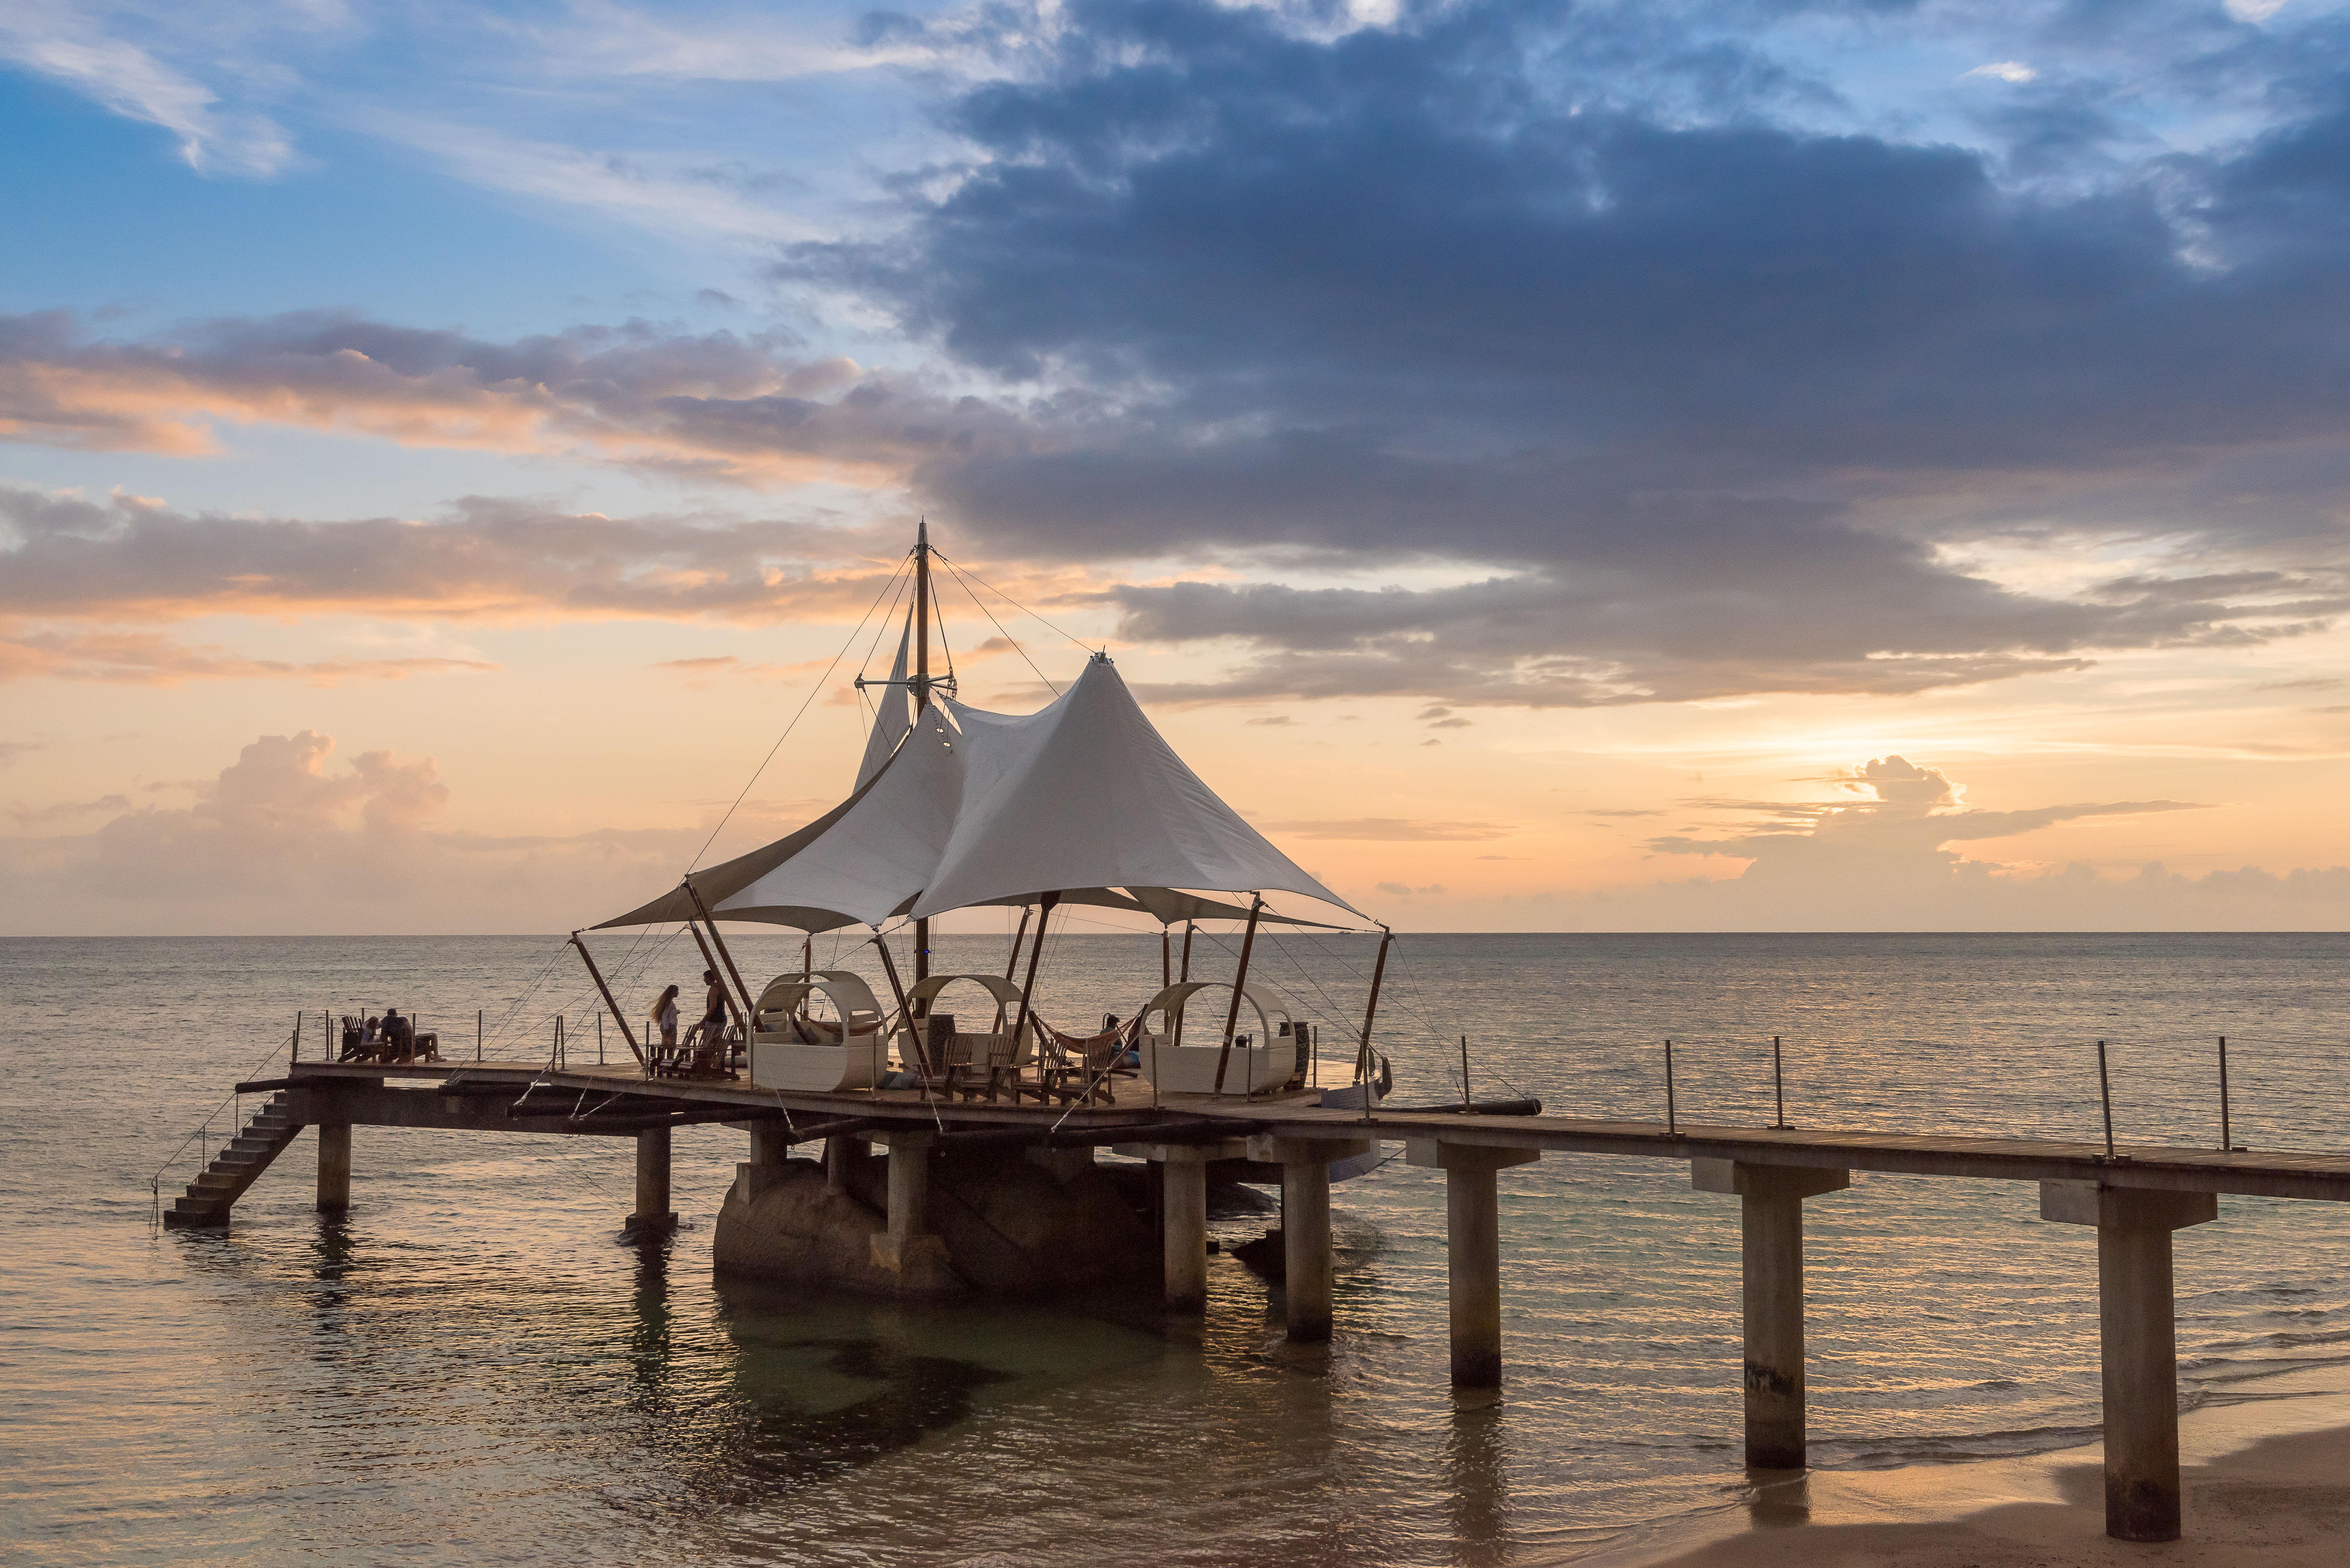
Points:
(474, 1366)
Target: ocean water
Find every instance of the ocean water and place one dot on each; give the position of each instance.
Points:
(474, 1366)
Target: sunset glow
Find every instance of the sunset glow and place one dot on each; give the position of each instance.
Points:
(1542, 484)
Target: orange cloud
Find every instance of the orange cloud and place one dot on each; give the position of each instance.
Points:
(150, 658)
(723, 407)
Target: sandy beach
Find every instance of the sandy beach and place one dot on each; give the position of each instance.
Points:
(2267, 1485)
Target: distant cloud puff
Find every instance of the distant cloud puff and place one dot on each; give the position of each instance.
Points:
(2006, 71)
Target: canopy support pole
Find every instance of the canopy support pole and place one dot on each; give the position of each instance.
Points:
(807, 955)
(724, 957)
(1188, 929)
(1370, 1011)
(1012, 963)
(732, 1005)
(1166, 963)
(889, 968)
(606, 991)
(1036, 951)
(921, 702)
(1232, 1018)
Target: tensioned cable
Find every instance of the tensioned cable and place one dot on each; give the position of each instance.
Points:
(998, 625)
(1015, 604)
(813, 692)
(883, 629)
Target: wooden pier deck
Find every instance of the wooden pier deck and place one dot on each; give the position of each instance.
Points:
(2169, 1168)
(2133, 1196)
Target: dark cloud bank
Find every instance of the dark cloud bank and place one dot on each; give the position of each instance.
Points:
(1652, 368)
(1571, 294)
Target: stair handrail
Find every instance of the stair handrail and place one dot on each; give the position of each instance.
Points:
(155, 1183)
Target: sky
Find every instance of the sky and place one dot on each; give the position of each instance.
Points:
(1657, 466)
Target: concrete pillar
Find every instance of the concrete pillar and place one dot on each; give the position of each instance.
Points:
(1305, 1227)
(842, 1155)
(1771, 1230)
(1305, 1249)
(653, 1212)
(1185, 1217)
(771, 1143)
(1473, 1250)
(908, 1234)
(909, 1185)
(2137, 1341)
(771, 1149)
(334, 1166)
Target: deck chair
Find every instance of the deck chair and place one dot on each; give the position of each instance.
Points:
(1082, 1066)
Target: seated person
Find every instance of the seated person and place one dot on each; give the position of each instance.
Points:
(398, 1035)
(371, 1031)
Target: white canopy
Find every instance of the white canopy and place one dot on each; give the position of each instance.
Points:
(883, 851)
(1080, 799)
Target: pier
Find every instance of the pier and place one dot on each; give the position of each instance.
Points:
(2133, 1198)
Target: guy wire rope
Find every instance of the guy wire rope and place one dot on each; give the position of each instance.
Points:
(813, 691)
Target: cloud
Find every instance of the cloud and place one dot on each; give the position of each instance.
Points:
(62, 43)
(1892, 845)
(720, 407)
(1393, 830)
(1724, 383)
(26, 816)
(66, 555)
(285, 837)
(1274, 719)
(10, 750)
(2014, 71)
(1402, 890)
(275, 817)
(150, 658)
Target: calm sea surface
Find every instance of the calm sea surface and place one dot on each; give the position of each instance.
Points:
(473, 1366)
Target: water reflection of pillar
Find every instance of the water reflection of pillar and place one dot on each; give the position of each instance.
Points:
(648, 1332)
(1479, 1494)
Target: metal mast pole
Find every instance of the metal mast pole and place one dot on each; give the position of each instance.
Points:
(921, 699)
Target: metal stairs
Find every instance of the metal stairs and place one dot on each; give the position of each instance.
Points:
(237, 1166)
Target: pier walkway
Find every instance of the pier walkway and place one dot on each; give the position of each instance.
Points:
(2134, 1197)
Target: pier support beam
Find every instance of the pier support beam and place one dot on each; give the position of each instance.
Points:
(1770, 1230)
(2138, 1339)
(1473, 1250)
(842, 1155)
(334, 1166)
(771, 1151)
(1185, 1216)
(909, 1231)
(653, 1215)
(1306, 1226)
(1183, 1213)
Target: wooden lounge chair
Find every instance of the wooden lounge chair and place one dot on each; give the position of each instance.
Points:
(1084, 1066)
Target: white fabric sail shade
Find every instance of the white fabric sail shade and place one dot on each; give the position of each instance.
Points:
(1084, 799)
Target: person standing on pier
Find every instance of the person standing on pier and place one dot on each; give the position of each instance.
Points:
(664, 1018)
